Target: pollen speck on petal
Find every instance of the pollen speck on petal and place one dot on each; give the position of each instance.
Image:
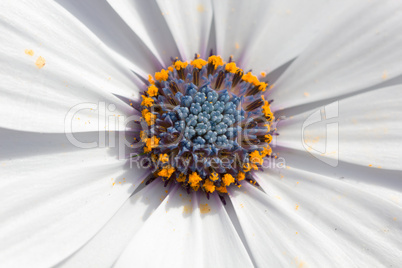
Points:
(200, 8)
(204, 208)
(40, 62)
(384, 75)
(29, 52)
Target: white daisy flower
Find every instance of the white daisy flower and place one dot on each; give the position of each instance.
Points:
(322, 109)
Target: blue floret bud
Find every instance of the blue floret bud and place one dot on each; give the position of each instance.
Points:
(186, 101)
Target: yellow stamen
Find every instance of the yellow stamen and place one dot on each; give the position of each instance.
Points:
(143, 136)
(214, 176)
(246, 167)
(241, 176)
(209, 186)
(266, 110)
(250, 78)
(147, 101)
(171, 69)
(144, 112)
(255, 157)
(181, 178)
(162, 75)
(166, 172)
(151, 143)
(163, 158)
(222, 189)
(152, 91)
(216, 61)
(180, 65)
(262, 86)
(194, 180)
(148, 117)
(151, 80)
(231, 67)
(268, 138)
(198, 63)
(227, 179)
(195, 188)
(266, 151)
(269, 116)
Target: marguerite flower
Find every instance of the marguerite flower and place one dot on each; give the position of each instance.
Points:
(72, 72)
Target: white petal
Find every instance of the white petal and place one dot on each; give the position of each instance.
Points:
(237, 24)
(280, 239)
(263, 35)
(383, 183)
(187, 231)
(189, 23)
(363, 227)
(348, 56)
(53, 204)
(119, 230)
(78, 69)
(365, 129)
(18, 144)
(146, 20)
(289, 27)
(129, 49)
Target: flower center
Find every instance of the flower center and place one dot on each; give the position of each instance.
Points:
(208, 125)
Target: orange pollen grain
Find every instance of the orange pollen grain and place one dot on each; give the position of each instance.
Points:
(29, 52)
(40, 62)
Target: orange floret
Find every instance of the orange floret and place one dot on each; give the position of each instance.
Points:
(198, 63)
(227, 179)
(231, 67)
(268, 138)
(152, 91)
(180, 65)
(151, 143)
(148, 117)
(262, 86)
(162, 75)
(256, 157)
(151, 79)
(266, 110)
(216, 61)
(214, 176)
(143, 136)
(246, 167)
(222, 189)
(163, 158)
(166, 172)
(194, 180)
(241, 176)
(147, 101)
(250, 78)
(266, 151)
(181, 178)
(209, 186)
